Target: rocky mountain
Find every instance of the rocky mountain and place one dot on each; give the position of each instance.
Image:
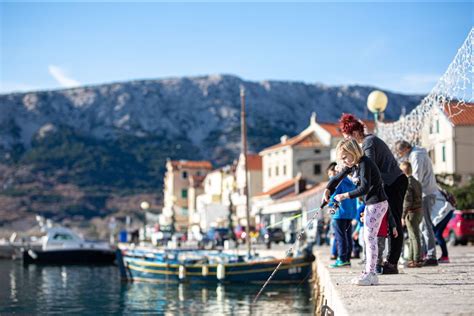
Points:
(113, 139)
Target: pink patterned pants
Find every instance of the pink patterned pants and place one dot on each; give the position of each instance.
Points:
(373, 215)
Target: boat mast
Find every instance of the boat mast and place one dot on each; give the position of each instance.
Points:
(243, 130)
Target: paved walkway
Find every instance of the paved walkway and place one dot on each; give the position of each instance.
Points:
(447, 289)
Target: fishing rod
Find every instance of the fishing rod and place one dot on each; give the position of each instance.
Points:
(289, 251)
(332, 211)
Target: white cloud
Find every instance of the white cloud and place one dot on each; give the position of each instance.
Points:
(62, 78)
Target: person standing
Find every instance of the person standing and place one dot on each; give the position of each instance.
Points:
(423, 172)
(369, 185)
(412, 216)
(343, 216)
(394, 181)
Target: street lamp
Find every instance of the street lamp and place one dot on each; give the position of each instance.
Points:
(377, 103)
(144, 205)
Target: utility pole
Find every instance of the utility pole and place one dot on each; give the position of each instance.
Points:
(243, 131)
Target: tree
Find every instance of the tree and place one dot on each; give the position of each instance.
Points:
(464, 196)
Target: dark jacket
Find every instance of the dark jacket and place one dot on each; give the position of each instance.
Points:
(413, 197)
(369, 181)
(378, 152)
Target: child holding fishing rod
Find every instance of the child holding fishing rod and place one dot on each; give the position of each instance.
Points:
(369, 184)
(342, 219)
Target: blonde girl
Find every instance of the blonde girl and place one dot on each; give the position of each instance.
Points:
(369, 184)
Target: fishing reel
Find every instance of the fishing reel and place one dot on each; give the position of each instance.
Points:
(334, 208)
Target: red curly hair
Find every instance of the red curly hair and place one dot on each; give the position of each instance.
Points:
(350, 124)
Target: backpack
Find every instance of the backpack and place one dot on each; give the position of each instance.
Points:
(448, 196)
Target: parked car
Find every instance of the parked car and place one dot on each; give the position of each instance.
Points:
(275, 235)
(460, 228)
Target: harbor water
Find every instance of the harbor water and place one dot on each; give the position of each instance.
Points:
(97, 290)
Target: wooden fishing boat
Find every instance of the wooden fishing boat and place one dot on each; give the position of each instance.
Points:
(210, 267)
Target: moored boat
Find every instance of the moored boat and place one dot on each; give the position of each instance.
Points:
(210, 267)
(62, 246)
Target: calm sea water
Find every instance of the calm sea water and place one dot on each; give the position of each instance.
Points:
(98, 291)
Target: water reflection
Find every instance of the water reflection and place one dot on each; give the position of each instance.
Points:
(188, 299)
(98, 290)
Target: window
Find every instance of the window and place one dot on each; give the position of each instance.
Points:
(270, 172)
(276, 171)
(184, 175)
(317, 151)
(60, 236)
(444, 153)
(317, 169)
(284, 170)
(184, 193)
(437, 126)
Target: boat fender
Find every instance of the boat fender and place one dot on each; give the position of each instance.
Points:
(220, 271)
(205, 270)
(32, 254)
(182, 272)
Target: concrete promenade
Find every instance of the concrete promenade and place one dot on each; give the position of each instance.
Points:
(447, 289)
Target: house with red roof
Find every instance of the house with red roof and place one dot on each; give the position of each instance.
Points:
(176, 186)
(254, 178)
(293, 171)
(449, 136)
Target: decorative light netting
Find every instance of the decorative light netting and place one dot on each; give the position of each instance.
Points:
(452, 94)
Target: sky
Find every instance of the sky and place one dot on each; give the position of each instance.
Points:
(401, 47)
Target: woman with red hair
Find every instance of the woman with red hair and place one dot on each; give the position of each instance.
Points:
(395, 182)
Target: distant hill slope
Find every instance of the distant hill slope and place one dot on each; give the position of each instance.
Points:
(113, 139)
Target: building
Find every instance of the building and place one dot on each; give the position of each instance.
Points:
(213, 205)
(449, 137)
(176, 189)
(254, 178)
(292, 173)
(307, 153)
(195, 189)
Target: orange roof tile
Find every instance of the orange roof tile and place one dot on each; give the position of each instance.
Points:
(254, 162)
(305, 139)
(335, 130)
(313, 190)
(460, 113)
(285, 185)
(332, 128)
(191, 164)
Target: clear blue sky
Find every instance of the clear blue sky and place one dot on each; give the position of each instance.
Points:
(401, 47)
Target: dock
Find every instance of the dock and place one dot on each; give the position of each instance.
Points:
(446, 289)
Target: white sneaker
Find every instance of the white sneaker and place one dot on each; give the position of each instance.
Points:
(360, 277)
(366, 279)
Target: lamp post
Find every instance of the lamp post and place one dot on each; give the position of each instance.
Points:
(144, 205)
(377, 103)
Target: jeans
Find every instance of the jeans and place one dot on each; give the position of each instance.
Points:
(438, 231)
(343, 232)
(396, 194)
(428, 241)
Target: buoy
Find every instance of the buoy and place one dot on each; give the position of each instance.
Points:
(220, 271)
(205, 270)
(182, 272)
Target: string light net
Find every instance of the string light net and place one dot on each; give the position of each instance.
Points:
(452, 95)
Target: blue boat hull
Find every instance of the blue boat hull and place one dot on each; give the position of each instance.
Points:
(292, 270)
